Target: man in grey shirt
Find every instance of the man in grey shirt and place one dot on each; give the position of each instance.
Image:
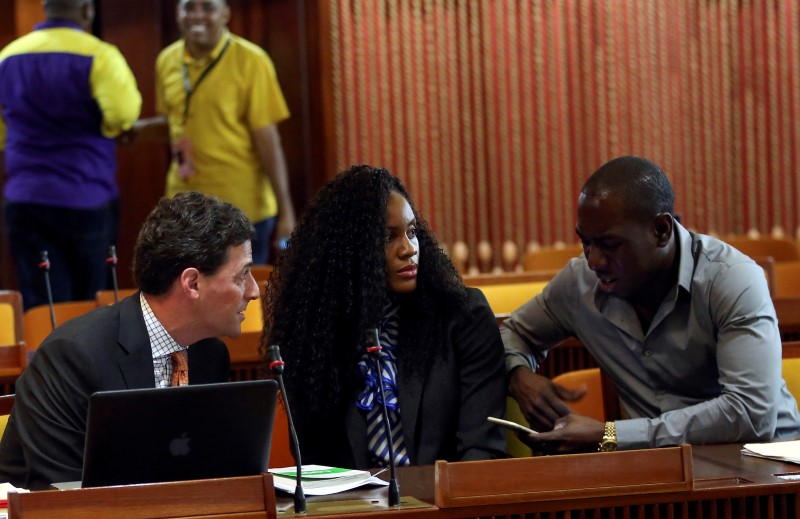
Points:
(681, 322)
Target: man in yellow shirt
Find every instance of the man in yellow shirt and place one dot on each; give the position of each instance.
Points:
(219, 97)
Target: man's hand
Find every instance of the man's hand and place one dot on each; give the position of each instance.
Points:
(153, 129)
(571, 433)
(541, 401)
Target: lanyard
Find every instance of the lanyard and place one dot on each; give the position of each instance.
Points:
(187, 87)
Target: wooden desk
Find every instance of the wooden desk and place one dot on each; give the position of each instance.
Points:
(726, 485)
(246, 497)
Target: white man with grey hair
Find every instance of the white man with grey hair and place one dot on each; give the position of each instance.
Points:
(64, 96)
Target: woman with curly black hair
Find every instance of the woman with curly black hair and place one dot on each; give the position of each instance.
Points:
(359, 259)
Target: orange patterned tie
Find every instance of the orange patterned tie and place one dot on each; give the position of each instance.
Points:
(180, 368)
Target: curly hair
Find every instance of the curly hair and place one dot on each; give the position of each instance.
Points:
(189, 230)
(330, 285)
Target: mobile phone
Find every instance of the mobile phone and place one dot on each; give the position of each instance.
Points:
(514, 426)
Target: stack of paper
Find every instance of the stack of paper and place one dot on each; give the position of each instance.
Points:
(781, 451)
(5, 488)
(319, 480)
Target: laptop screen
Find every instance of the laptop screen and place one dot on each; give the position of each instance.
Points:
(179, 433)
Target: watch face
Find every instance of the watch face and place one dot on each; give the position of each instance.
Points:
(608, 445)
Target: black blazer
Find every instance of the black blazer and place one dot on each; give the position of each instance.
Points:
(106, 349)
(444, 412)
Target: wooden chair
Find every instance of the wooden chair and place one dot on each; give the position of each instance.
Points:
(280, 454)
(791, 374)
(245, 359)
(781, 249)
(261, 273)
(788, 311)
(106, 297)
(253, 317)
(787, 279)
(11, 331)
(509, 297)
(599, 402)
(506, 292)
(551, 259)
(767, 263)
(6, 403)
(13, 355)
(13, 361)
(506, 278)
(37, 324)
(591, 404)
(791, 349)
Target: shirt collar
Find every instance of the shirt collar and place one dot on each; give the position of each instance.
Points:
(214, 54)
(161, 342)
(684, 241)
(56, 24)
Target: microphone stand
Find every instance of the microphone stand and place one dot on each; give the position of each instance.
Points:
(44, 265)
(112, 261)
(276, 365)
(374, 350)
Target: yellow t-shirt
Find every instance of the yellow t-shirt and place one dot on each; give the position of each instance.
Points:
(239, 94)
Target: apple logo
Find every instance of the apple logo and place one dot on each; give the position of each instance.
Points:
(180, 446)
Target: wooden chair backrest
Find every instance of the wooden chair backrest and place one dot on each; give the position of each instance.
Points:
(36, 320)
(11, 330)
(261, 273)
(280, 453)
(791, 349)
(767, 263)
(790, 368)
(509, 297)
(6, 403)
(788, 311)
(507, 278)
(782, 249)
(592, 403)
(551, 258)
(13, 360)
(787, 279)
(106, 297)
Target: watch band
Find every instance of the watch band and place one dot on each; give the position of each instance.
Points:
(609, 442)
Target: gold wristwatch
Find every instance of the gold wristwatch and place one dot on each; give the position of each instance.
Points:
(609, 442)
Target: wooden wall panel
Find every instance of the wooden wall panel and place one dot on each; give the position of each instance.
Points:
(136, 28)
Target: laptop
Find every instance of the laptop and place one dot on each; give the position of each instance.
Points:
(179, 433)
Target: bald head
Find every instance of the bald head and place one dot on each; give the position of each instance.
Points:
(80, 12)
(644, 189)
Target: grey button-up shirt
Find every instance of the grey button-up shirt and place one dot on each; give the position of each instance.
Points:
(708, 370)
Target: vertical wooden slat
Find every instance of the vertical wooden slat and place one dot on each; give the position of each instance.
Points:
(495, 112)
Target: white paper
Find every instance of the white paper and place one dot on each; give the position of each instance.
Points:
(788, 451)
(319, 481)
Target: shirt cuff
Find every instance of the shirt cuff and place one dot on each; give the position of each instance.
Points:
(633, 434)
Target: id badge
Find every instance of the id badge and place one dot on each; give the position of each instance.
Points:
(182, 152)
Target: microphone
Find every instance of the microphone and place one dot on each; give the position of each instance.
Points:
(112, 262)
(276, 364)
(44, 266)
(374, 350)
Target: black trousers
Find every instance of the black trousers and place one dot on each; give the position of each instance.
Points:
(76, 240)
